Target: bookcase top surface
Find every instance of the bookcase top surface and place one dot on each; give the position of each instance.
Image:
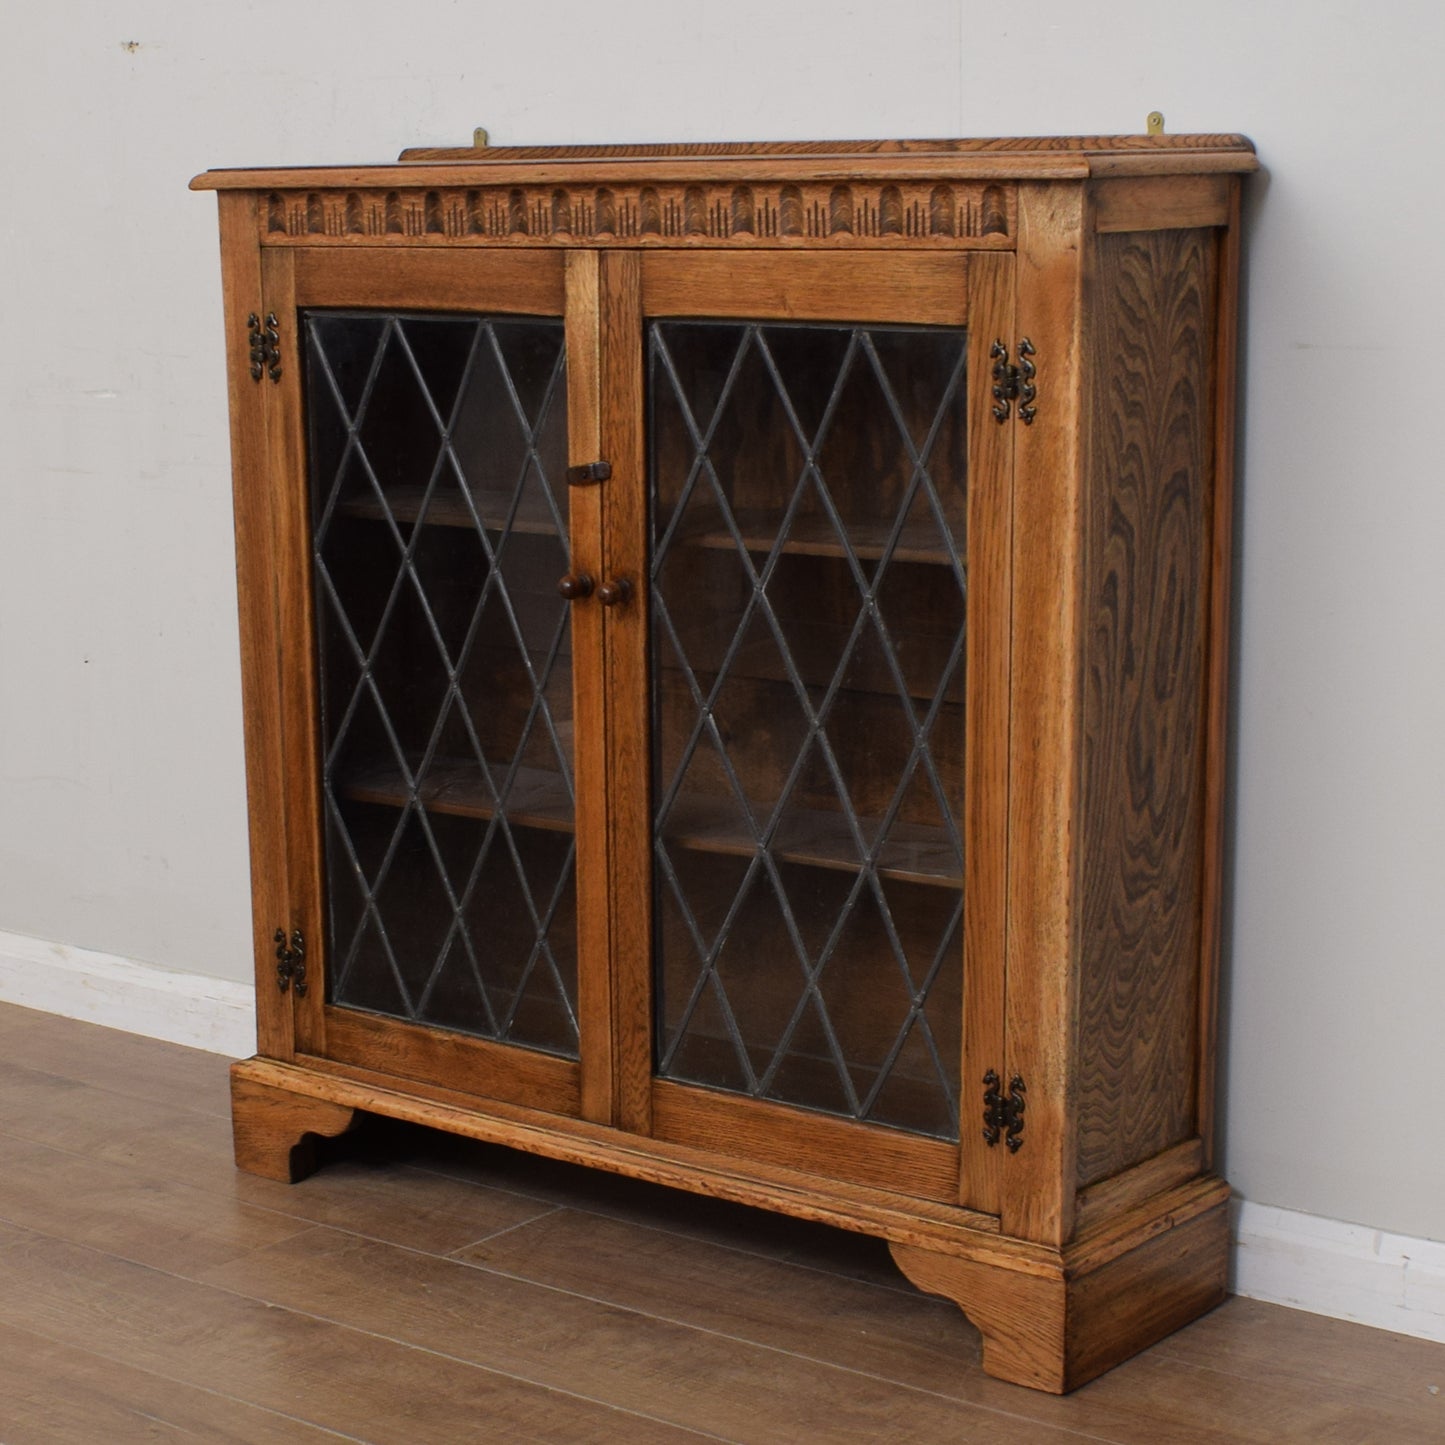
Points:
(1061, 158)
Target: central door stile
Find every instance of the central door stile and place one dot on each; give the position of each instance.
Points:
(629, 746)
(585, 508)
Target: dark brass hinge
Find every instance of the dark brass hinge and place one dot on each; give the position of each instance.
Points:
(1014, 383)
(290, 961)
(1003, 1116)
(265, 346)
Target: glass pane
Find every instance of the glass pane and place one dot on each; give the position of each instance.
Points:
(808, 488)
(437, 474)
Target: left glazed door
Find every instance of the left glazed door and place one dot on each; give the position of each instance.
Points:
(430, 673)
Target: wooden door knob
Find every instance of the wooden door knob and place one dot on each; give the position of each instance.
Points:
(575, 586)
(613, 591)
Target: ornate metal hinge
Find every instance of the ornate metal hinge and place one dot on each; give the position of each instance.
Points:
(1003, 1116)
(265, 346)
(290, 961)
(1014, 383)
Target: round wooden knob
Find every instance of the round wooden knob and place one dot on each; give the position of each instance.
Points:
(613, 591)
(574, 586)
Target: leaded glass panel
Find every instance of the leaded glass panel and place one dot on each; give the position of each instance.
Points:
(437, 457)
(808, 600)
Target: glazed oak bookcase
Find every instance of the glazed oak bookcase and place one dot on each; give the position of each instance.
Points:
(734, 652)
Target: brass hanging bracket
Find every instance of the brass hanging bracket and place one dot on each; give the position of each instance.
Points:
(1154, 122)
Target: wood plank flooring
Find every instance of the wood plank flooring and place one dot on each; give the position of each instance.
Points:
(426, 1289)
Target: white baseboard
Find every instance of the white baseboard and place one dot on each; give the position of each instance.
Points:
(78, 983)
(1347, 1271)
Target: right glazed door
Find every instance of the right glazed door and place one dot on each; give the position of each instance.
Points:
(811, 448)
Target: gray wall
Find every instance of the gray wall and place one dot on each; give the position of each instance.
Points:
(122, 824)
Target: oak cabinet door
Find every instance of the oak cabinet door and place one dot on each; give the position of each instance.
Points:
(433, 740)
(807, 556)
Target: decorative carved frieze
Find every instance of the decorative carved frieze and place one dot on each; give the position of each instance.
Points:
(958, 214)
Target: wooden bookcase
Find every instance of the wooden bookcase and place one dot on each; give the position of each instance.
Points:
(734, 650)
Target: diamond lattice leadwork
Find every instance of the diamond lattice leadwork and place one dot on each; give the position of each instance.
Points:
(437, 453)
(808, 629)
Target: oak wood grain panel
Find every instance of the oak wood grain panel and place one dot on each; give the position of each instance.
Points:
(401, 190)
(1161, 203)
(298, 665)
(1147, 554)
(1221, 535)
(625, 512)
(833, 1148)
(700, 1170)
(923, 290)
(986, 728)
(1021, 145)
(1115, 1235)
(1113, 1294)
(1165, 163)
(275, 1130)
(1125, 1191)
(1044, 717)
(1140, 1297)
(468, 1065)
(432, 281)
(1030, 157)
(1020, 1316)
(934, 214)
(258, 606)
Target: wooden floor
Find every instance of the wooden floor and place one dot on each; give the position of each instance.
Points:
(423, 1289)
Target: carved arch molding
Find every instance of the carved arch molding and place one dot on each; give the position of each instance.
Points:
(924, 213)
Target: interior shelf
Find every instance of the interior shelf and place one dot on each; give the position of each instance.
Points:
(537, 798)
(913, 852)
(761, 661)
(809, 536)
(533, 516)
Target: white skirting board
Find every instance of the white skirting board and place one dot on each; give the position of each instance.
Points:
(1348, 1271)
(78, 983)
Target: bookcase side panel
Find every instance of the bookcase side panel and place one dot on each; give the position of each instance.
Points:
(1147, 456)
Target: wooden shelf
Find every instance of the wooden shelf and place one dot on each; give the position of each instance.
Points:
(533, 516)
(538, 798)
(760, 661)
(817, 537)
(914, 853)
